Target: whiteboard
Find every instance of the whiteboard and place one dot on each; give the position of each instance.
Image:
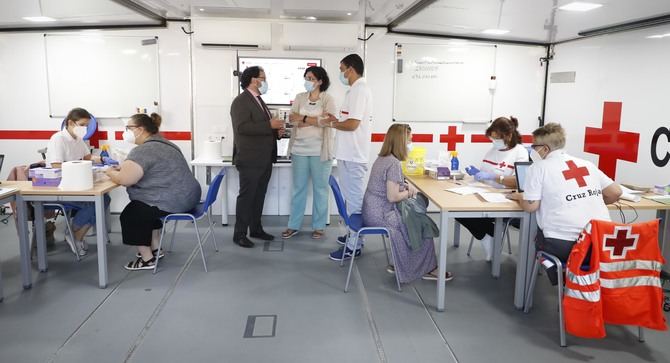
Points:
(284, 76)
(110, 76)
(447, 83)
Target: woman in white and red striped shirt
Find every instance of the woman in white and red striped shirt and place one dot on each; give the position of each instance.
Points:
(497, 165)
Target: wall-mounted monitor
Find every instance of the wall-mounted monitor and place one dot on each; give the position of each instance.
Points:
(284, 76)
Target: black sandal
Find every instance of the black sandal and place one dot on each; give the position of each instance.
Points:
(160, 255)
(140, 264)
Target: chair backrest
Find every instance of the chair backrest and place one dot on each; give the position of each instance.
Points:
(213, 190)
(339, 200)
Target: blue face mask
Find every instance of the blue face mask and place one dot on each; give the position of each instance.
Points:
(344, 79)
(264, 88)
(309, 86)
(498, 144)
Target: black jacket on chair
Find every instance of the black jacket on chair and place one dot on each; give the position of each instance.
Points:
(254, 142)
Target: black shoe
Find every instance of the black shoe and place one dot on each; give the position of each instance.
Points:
(243, 242)
(262, 235)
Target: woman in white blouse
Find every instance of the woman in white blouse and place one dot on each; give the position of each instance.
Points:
(311, 150)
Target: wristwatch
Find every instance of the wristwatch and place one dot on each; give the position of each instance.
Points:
(500, 179)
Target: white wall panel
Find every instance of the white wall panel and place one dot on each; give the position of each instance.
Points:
(519, 92)
(625, 67)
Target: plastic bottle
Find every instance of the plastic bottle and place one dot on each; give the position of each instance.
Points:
(105, 151)
(454, 160)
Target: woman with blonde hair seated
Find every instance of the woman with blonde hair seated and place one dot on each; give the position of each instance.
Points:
(386, 188)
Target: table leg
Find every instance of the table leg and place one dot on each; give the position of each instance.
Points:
(530, 255)
(24, 242)
(442, 260)
(40, 235)
(664, 232)
(224, 201)
(457, 233)
(497, 247)
(521, 263)
(100, 238)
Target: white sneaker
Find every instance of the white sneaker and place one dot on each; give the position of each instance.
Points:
(487, 243)
(83, 246)
(70, 243)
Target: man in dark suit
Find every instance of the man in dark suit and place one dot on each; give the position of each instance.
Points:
(254, 151)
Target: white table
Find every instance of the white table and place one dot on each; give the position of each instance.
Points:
(9, 195)
(208, 164)
(452, 205)
(38, 196)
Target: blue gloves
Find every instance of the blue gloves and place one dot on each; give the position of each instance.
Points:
(106, 160)
(471, 170)
(484, 175)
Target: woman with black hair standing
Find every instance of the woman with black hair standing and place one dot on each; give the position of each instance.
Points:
(311, 150)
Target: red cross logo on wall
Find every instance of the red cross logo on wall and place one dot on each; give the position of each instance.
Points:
(502, 165)
(452, 138)
(609, 142)
(575, 172)
(620, 242)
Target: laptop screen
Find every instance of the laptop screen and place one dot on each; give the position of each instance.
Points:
(521, 169)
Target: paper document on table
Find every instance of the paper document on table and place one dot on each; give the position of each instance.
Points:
(629, 191)
(494, 197)
(6, 190)
(665, 199)
(466, 190)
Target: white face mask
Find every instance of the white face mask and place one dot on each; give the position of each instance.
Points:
(309, 86)
(264, 88)
(344, 79)
(80, 131)
(129, 136)
(535, 156)
(498, 144)
(409, 146)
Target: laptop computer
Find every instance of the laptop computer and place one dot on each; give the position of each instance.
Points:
(521, 170)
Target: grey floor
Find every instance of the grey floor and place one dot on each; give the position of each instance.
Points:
(183, 314)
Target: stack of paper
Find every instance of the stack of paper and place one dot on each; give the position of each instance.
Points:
(630, 194)
(494, 197)
(466, 190)
(665, 199)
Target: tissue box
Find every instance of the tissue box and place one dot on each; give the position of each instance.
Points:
(45, 177)
(439, 173)
(662, 189)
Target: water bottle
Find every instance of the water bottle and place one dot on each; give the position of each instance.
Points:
(454, 160)
(104, 152)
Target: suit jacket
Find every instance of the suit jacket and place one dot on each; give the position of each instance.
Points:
(254, 142)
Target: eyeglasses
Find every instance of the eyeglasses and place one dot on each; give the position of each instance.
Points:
(130, 127)
(538, 145)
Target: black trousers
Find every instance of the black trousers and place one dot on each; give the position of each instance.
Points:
(253, 186)
(558, 247)
(479, 227)
(138, 220)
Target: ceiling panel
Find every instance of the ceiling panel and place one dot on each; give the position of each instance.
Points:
(528, 20)
(68, 13)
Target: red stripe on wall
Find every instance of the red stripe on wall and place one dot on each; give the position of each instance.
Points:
(527, 139)
(26, 134)
(422, 137)
(37, 134)
(170, 135)
(377, 137)
(415, 137)
(479, 138)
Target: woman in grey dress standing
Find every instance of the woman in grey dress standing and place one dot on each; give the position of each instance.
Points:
(385, 188)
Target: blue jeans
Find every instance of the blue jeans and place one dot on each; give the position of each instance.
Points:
(86, 213)
(304, 168)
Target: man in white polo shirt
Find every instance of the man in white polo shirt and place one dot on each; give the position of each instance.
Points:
(567, 193)
(353, 142)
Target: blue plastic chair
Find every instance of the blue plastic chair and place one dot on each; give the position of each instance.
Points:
(355, 228)
(203, 209)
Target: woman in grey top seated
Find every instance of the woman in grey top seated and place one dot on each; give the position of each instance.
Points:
(159, 182)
